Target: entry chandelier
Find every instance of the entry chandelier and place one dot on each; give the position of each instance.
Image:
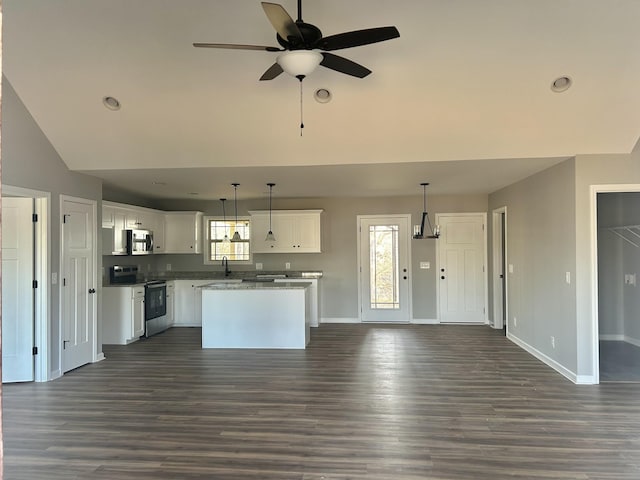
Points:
(418, 230)
(270, 236)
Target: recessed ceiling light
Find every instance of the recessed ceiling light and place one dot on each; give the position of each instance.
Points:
(111, 103)
(160, 183)
(194, 193)
(561, 84)
(322, 95)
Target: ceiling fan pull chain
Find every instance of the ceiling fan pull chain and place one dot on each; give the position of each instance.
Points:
(301, 77)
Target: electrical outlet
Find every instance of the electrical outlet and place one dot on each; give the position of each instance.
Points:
(553, 342)
(168, 267)
(258, 266)
(287, 266)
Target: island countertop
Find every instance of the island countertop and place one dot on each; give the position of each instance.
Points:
(222, 285)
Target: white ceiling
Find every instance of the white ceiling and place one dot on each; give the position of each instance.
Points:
(462, 99)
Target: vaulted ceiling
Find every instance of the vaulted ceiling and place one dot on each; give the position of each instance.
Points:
(462, 99)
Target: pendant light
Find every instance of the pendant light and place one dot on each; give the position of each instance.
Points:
(224, 220)
(236, 236)
(270, 236)
(418, 230)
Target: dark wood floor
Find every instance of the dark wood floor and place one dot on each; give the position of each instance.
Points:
(619, 362)
(362, 402)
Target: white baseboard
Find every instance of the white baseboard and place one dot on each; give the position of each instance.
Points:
(612, 337)
(55, 374)
(339, 320)
(620, 338)
(425, 321)
(585, 380)
(99, 357)
(562, 370)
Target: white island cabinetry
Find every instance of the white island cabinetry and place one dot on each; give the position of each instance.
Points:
(255, 315)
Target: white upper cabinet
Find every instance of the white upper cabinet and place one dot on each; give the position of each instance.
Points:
(296, 231)
(182, 232)
(118, 217)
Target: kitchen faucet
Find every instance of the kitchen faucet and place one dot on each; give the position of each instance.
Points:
(225, 264)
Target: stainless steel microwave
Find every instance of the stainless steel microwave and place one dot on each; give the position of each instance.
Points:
(139, 242)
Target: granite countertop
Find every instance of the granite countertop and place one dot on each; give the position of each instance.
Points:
(236, 274)
(255, 285)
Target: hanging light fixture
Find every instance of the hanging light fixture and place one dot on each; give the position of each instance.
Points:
(224, 220)
(270, 236)
(236, 236)
(418, 230)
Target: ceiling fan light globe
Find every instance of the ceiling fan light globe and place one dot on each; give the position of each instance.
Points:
(299, 62)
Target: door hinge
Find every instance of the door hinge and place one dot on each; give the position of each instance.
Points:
(64, 218)
(64, 282)
(34, 284)
(35, 350)
(34, 217)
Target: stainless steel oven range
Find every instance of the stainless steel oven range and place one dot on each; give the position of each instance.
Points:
(155, 297)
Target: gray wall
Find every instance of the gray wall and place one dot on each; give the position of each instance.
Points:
(338, 260)
(30, 161)
(541, 248)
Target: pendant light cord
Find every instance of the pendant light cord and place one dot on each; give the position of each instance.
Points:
(301, 77)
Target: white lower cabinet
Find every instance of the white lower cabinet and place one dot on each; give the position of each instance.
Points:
(313, 297)
(188, 303)
(122, 314)
(171, 301)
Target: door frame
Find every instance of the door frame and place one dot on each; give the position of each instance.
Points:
(42, 267)
(94, 336)
(595, 320)
(359, 218)
(499, 219)
(482, 215)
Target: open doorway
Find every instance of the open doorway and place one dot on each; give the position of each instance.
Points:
(618, 237)
(499, 248)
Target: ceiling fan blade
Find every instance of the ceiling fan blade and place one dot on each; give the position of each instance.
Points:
(357, 38)
(343, 65)
(233, 46)
(272, 72)
(282, 22)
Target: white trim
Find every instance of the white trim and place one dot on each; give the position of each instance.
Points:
(565, 372)
(500, 213)
(485, 261)
(100, 357)
(593, 226)
(425, 321)
(94, 280)
(585, 380)
(620, 338)
(612, 337)
(42, 307)
(56, 374)
(359, 218)
(339, 320)
(206, 253)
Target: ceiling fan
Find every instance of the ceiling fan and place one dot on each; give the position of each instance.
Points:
(301, 42)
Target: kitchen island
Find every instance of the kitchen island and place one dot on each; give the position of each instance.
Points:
(255, 315)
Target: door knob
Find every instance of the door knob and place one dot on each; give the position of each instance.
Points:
(405, 277)
(92, 290)
(442, 269)
(442, 277)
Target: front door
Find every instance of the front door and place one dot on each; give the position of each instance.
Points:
(461, 274)
(384, 268)
(17, 290)
(78, 282)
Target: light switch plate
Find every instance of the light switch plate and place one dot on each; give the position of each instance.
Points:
(511, 268)
(567, 277)
(168, 267)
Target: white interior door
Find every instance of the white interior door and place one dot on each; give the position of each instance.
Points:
(384, 268)
(461, 257)
(499, 277)
(17, 290)
(78, 284)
